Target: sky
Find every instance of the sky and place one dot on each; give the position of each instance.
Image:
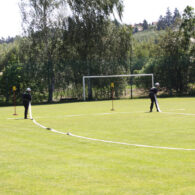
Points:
(135, 11)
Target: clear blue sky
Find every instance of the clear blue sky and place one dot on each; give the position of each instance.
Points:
(135, 11)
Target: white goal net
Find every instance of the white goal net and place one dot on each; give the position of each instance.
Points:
(105, 79)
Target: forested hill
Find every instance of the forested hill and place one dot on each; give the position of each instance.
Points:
(148, 35)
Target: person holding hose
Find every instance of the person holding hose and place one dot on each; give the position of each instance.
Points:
(153, 98)
(26, 101)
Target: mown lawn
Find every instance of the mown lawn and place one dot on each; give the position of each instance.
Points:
(37, 161)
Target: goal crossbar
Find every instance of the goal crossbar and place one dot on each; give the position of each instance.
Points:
(114, 76)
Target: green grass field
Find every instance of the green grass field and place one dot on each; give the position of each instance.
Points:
(37, 161)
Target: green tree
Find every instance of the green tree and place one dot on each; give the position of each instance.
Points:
(176, 15)
(145, 25)
(40, 24)
(91, 16)
(187, 26)
(13, 74)
(174, 61)
(168, 18)
(161, 23)
(187, 29)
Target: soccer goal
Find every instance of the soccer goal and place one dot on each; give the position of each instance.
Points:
(111, 77)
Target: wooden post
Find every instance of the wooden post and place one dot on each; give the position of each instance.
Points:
(14, 99)
(112, 88)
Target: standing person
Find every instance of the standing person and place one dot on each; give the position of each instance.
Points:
(152, 95)
(26, 100)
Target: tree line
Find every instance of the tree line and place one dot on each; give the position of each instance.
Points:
(57, 50)
(169, 20)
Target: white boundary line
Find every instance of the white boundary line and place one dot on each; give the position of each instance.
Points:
(186, 114)
(14, 118)
(105, 141)
(101, 114)
(127, 144)
(109, 113)
(113, 142)
(78, 115)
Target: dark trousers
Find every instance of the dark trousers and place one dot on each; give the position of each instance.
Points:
(26, 105)
(153, 100)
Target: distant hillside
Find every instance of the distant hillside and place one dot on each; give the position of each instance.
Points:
(148, 35)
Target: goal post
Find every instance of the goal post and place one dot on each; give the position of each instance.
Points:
(114, 76)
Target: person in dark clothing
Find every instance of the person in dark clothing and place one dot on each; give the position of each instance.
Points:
(152, 95)
(26, 100)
